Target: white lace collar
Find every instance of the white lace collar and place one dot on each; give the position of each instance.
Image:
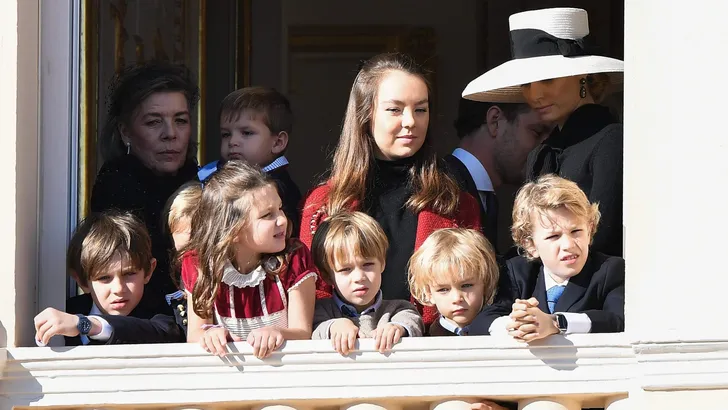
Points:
(232, 277)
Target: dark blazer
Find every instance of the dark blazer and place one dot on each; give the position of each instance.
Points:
(290, 195)
(139, 327)
(462, 176)
(436, 329)
(588, 150)
(598, 290)
(502, 305)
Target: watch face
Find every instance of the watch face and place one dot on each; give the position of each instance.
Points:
(84, 325)
(563, 324)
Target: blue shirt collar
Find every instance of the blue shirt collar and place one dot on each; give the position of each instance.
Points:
(349, 310)
(452, 327)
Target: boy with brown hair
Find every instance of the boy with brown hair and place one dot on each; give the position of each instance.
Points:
(350, 250)
(255, 125)
(110, 256)
(560, 286)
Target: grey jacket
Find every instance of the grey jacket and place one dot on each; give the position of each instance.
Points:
(398, 312)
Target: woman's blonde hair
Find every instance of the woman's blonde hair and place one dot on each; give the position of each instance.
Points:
(344, 234)
(548, 193)
(460, 252)
(224, 210)
(354, 155)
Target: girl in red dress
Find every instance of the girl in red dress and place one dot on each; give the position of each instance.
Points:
(246, 280)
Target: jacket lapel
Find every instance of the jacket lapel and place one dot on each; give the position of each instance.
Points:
(539, 292)
(576, 288)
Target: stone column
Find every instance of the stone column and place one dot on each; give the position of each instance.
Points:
(453, 404)
(618, 403)
(372, 406)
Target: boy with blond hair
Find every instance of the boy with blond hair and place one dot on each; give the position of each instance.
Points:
(110, 257)
(350, 250)
(455, 270)
(560, 286)
(255, 125)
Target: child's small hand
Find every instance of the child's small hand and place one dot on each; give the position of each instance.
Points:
(265, 341)
(343, 334)
(51, 322)
(538, 326)
(215, 339)
(387, 336)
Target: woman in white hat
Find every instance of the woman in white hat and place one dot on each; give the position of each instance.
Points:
(554, 71)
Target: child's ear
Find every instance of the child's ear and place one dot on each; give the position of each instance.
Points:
(152, 266)
(280, 142)
(531, 249)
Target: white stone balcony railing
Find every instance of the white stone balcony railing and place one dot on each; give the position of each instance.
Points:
(574, 372)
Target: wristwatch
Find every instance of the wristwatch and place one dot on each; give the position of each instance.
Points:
(84, 325)
(561, 322)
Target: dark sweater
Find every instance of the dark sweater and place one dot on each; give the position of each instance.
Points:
(589, 151)
(125, 184)
(385, 201)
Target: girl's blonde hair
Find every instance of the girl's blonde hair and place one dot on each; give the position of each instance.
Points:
(344, 234)
(354, 155)
(223, 211)
(183, 204)
(460, 252)
(548, 193)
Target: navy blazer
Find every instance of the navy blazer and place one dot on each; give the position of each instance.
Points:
(598, 290)
(137, 328)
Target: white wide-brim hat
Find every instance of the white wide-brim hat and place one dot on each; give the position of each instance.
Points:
(545, 44)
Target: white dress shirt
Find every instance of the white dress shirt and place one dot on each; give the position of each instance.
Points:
(477, 171)
(106, 328)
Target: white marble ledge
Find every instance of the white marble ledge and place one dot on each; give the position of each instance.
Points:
(587, 366)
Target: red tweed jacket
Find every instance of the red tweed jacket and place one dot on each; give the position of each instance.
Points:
(467, 216)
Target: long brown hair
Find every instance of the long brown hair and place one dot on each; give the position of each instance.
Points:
(223, 211)
(354, 155)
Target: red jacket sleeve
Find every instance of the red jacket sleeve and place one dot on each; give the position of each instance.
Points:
(311, 216)
(468, 215)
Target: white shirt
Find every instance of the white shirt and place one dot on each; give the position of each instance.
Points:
(106, 328)
(477, 171)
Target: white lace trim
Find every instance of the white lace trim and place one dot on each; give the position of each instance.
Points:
(308, 275)
(232, 277)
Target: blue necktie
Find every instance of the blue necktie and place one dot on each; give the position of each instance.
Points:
(553, 295)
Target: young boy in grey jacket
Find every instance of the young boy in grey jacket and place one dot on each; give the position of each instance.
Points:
(350, 250)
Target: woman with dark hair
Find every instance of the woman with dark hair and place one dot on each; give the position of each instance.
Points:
(147, 153)
(385, 166)
(557, 73)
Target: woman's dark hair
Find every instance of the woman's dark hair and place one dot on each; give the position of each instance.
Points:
(133, 85)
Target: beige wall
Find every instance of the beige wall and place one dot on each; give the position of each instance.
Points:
(19, 185)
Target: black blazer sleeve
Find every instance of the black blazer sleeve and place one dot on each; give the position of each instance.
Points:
(132, 330)
(502, 305)
(610, 318)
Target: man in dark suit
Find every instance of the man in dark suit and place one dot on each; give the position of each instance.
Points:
(495, 140)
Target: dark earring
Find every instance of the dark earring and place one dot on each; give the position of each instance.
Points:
(582, 90)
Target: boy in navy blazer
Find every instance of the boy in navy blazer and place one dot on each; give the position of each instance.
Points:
(559, 286)
(110, 256)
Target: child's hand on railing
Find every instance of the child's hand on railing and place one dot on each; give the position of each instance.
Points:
(343, 334)
(265, 341)
(387, 336)
(216, 338)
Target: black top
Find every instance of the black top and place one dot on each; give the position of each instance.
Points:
(385, 201)
(290, 196)
(125, 184)
(589, 151)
